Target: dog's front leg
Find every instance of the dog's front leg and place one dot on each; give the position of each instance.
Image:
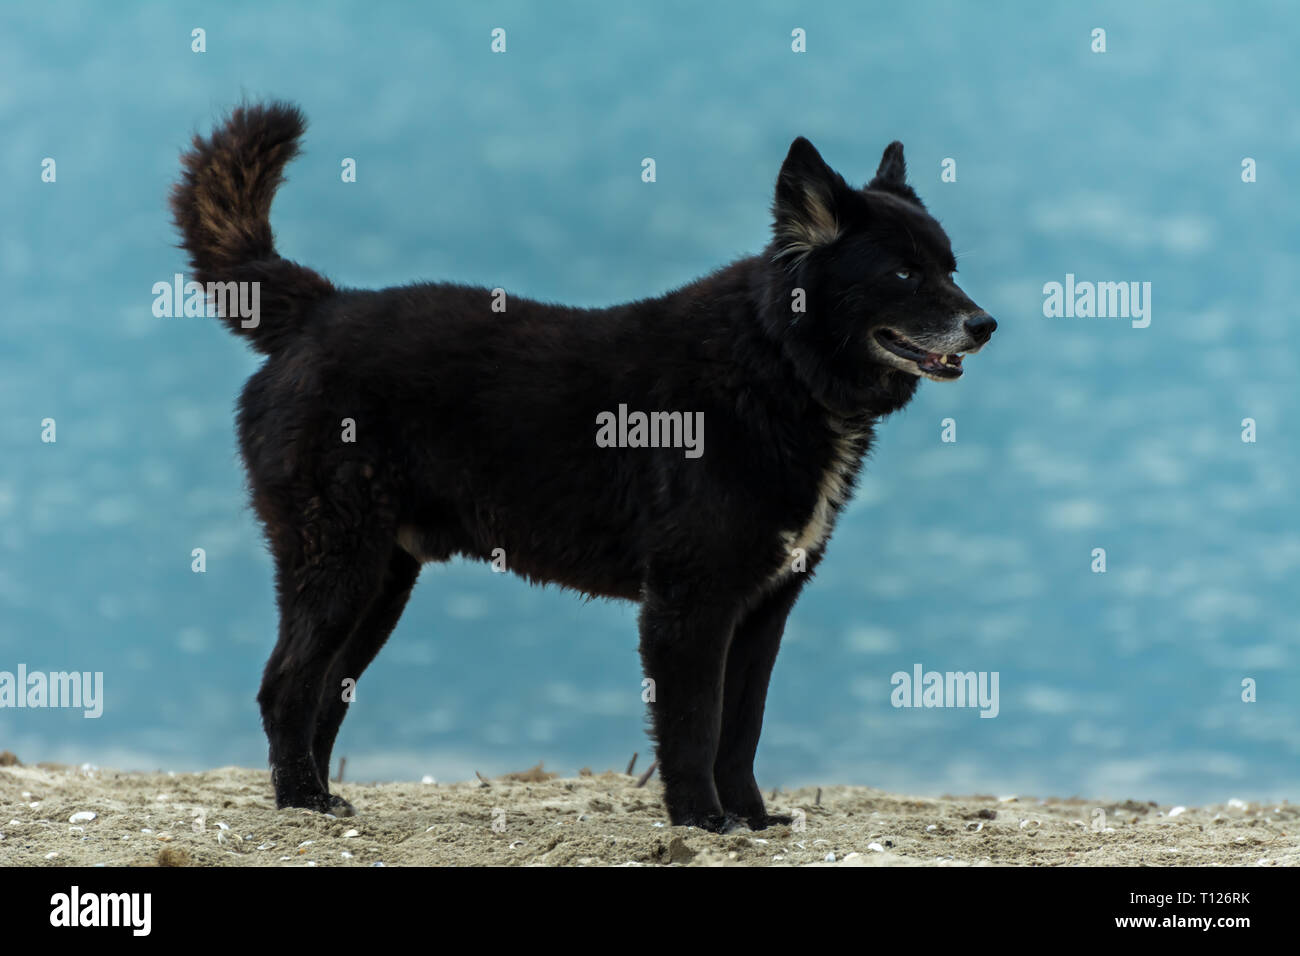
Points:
(749, 668)
(684, 637)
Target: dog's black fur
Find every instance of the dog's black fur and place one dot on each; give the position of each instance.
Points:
(475, 430)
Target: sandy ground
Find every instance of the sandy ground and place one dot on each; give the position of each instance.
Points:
(226, 817)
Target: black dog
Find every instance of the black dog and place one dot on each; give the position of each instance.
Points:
(416, 423)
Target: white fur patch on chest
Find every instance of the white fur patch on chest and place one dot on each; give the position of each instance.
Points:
(832, 491)
(409, 540)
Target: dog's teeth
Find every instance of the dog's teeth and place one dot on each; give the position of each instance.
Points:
(943, 360)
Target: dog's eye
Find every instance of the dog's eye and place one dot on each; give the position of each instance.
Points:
(903, 274)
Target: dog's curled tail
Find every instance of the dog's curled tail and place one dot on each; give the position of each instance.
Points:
(222, 205)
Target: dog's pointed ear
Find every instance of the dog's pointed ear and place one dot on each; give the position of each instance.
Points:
(807, 196)
(893, 168)
(891, 175)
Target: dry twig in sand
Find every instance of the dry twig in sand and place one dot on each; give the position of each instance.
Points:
(645, 777)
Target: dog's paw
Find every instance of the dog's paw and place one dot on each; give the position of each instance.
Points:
(736, 824)
(770, 820)
(713, 822)
(340, 807)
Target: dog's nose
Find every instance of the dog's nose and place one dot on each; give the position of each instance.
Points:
(981, 326)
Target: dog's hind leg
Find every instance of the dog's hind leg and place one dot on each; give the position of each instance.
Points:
(749, 668)
(355, 656)
(327, 580)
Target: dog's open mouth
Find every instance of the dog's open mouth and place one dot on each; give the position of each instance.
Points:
(934, 364)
